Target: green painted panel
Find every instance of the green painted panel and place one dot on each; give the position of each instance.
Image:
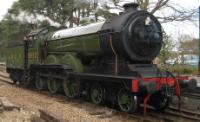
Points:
(74, 62)
(52, 59)
(65, 59)
(33, 57)
(85, 44)
(36, 52)
(2, 55)
(15, 57)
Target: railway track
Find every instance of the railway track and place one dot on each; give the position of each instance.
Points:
(193, 95)
(195, 116)
(171, 114)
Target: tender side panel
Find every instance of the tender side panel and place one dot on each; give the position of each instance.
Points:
(2, 55)
(15, 57)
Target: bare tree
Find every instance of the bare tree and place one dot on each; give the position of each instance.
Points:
(70, 12)
(177, 12)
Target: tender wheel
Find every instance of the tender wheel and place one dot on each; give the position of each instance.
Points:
(53, 86)
(127, 101)
(40, 84)
(97, 93)
(160, 102)
(26, 81)
(70, 88)
(13, 77)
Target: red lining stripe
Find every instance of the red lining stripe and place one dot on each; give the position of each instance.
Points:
(160, 81)
(135, 86)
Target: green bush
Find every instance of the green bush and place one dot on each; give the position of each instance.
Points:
(181, 69)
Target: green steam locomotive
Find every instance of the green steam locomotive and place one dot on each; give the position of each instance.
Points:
(105, 61)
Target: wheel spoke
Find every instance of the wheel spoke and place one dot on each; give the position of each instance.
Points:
(126, 101)
(97, 94)
(40, 83)
(53, 86)
(160, 102)
(70, 89)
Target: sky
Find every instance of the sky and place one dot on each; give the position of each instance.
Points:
(4, 5)
(174, 29)
(191, 28)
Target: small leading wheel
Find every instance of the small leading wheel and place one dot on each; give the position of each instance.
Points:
(97, 93)
(71, 88)
(127, 101)
(53, 86)
(160, 102)
(40, 83)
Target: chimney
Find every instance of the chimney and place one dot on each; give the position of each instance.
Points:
(131, 6)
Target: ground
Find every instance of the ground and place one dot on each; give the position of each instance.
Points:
(30, 101)
(16, 116)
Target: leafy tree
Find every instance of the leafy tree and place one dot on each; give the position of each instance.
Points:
(188, 45)
(56, 10)
(86, 21)
(12, 30)
(64, 12)
(166, 51)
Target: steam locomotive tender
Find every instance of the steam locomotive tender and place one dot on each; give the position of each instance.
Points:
(105, 61)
